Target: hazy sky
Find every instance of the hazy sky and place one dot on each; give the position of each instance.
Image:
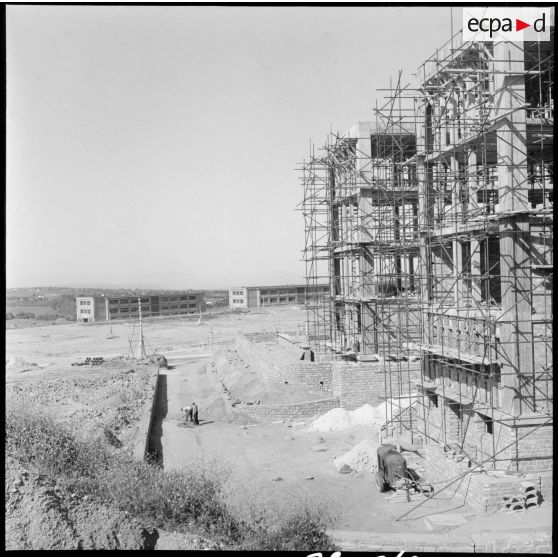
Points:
(157, 146)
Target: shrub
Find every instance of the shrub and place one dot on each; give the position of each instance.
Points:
(191, 499)
(303, 530)
(175, 499)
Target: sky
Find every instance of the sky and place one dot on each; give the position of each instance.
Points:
(157, 146)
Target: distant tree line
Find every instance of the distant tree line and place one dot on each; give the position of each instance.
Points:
(64, 306)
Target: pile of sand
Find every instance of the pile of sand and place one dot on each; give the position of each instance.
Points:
(340, 419)
(361, 457)
(333, 421)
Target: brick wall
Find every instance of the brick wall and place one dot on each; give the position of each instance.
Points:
(293, 411)
(358, 383)
(533, 450)
(313, 374)
(482, 491)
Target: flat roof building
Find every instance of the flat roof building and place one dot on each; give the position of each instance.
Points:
(255, 297)
(101, 308)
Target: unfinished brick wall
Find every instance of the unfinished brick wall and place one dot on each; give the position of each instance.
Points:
(535, 448)
(293, 411)
(481, 490)
(313, 374)
(358, 383)
(481, 438)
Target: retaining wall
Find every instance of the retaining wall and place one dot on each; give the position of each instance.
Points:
(305, 409)
(354, 384)
(358, 383)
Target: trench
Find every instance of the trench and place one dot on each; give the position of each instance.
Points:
(161, 407)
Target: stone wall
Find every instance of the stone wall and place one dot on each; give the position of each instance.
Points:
(305, 409)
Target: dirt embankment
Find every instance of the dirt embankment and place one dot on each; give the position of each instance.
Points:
(42, 515)
(96, 402)
(102, 404)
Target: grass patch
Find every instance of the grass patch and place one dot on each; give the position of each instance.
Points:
(192, 500)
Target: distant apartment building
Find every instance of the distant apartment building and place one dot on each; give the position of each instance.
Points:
(101, 308)
(255, 297)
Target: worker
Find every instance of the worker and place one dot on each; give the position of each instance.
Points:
(187, 410)
(195, 413)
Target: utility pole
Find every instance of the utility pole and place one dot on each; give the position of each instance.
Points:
(141, 347)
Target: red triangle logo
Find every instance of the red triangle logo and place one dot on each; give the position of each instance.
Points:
(519, 25)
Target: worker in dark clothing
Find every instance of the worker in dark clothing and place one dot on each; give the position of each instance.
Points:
(195, 413)
(187, 410)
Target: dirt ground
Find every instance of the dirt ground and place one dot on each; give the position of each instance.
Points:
(271, 465)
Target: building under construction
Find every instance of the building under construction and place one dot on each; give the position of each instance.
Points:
(432, 224)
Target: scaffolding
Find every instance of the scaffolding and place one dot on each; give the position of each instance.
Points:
(433, 226)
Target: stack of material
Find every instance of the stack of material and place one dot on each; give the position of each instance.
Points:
(529, 489)
(514, 503)
(526, 498)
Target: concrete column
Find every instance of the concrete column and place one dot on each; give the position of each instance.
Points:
(425, 215)
(516, 337)
(456, 204)
(475, 271)
(472, 181)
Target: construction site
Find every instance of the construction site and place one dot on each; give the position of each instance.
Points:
(403, 395)
(432, 223)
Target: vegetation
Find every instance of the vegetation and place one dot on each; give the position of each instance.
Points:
(191, 500)
(65, 305)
